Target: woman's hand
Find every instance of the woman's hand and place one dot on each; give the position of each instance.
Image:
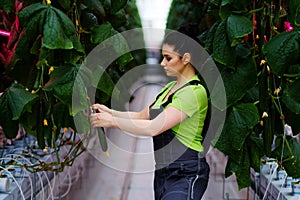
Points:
(101, 120)
(101, 108)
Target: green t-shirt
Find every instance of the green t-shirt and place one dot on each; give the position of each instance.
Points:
(192, 100)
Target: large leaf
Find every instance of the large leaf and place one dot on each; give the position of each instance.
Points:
(210, 37)
(222, 50)
(19, 100)
(102, 32)
(10, 127)
(292, 119)
(13, 103)
(29, 34)
(56, 29)
(62, 117)
(95, 6)
(282, 51)
(118, 19)
(291, 96)
(61, 83)
(294, 14)
(237, 128)
(237, 5)
(290, 153)
(66, 4)
(109, 38)
(7, 5)
(238, 27)
(117, 5)
(256, 151)
(241, 170)
(238, 82)
(103, 82)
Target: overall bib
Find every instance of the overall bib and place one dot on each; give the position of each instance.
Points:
(181, 173)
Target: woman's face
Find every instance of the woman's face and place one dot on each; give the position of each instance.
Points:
(172, 62)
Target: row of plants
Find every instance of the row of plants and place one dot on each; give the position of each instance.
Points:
(42, 59)
(255, 45)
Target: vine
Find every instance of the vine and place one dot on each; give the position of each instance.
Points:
(45, 44)
(256, 44)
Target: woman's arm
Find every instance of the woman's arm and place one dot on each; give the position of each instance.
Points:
(142, 127)
(143, 114)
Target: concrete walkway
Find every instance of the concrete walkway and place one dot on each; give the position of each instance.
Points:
(127, 174)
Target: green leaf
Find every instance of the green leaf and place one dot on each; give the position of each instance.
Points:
(290, 153)
(10, 127)
(110, 38)
(104, 83)
(19, 100)
(29, 120)
(58, 30)
(238, 27)
(256, 151)
(252, 95)
(282, 51)
(293, 14)
(13, 103)
(62, 118)
(7, 5)
(82, 125)
(117, 5)
(237, 128)
(118, 19)
(241, 170)
(238, 82)
(225, 11)
(234, 6)
(32, 18)
(222, 50)
(226, 2)
(243, 50)
(210, 37)
(95, 6)
(291, 96)
(66, 4)
(99, 33)
(292, 119)
(63, 82)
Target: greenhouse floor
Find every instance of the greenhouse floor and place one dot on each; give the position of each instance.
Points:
(127, 174)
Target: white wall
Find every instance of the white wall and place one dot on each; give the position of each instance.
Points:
(154, 14)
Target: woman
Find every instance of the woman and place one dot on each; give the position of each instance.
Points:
(175, 120)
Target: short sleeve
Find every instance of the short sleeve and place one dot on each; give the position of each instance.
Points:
(190, 99)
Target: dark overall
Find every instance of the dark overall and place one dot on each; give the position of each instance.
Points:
(180, 172)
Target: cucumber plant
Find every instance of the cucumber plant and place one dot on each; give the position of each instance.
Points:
(255, 45)
(48, 44)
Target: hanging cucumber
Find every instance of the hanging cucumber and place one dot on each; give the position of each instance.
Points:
(40, 125)
(267, 135)
(263, 88)
(265, 104)
(102, 137)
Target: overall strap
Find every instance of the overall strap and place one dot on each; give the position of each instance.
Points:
(158, 97)
(208, 112)
(169, 100)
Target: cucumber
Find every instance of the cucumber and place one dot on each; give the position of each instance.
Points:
(102, 137)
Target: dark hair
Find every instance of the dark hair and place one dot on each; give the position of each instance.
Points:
(184, 41)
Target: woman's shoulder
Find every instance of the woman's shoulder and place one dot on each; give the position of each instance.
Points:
(195, 89)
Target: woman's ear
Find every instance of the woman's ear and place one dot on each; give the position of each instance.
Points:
(186, 58)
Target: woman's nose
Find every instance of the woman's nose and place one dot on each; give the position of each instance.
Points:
(163, 63)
